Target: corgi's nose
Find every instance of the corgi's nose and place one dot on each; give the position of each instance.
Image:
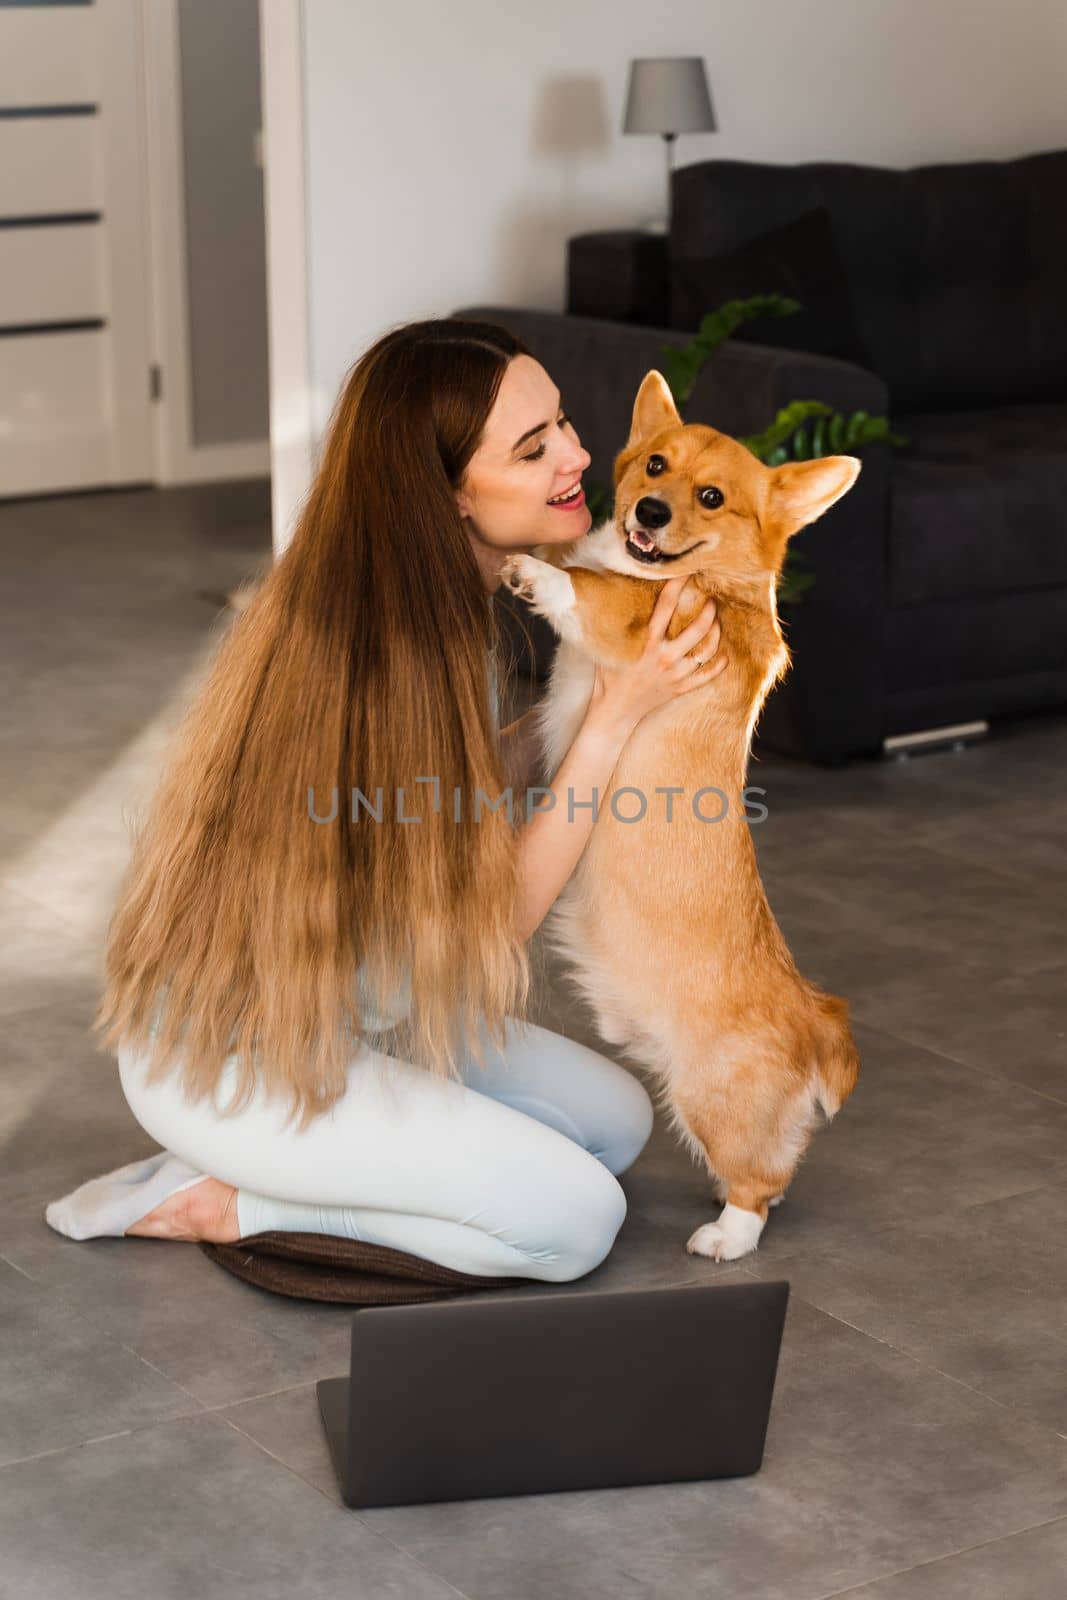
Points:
(652, 513)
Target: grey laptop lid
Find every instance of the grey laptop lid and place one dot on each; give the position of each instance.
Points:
(529, 1393)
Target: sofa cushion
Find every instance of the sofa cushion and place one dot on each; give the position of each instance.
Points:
(955, 270)
(978, 503)
(799, 259)
(996, 655)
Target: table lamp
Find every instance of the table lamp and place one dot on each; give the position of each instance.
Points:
(668, 95)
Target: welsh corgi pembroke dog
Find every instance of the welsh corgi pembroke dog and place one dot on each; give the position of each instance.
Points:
(664, 925)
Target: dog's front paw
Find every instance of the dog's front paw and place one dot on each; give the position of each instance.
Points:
(516, 575)
(548, 590)
(734, 1235)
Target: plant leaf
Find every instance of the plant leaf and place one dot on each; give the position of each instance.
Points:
(683, 362)
(856, 426)
(818, 437)
(784, 425)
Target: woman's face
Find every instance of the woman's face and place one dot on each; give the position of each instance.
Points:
(529, 454)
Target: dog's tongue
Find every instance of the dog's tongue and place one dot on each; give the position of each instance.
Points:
(643, 540)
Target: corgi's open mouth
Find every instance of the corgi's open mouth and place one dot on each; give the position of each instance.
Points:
(643, 547)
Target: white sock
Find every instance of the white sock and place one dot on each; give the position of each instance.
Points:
(108, 1205)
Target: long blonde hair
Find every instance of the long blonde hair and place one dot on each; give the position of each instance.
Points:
(360, 663)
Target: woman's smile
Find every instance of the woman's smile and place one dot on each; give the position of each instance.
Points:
(573, 499)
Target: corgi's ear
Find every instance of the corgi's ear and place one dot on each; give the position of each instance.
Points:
(800, 492)
(654, 409)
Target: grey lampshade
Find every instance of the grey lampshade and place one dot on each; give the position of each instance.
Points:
(668, 94)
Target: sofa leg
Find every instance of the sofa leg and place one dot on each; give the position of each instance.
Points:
(953, 736)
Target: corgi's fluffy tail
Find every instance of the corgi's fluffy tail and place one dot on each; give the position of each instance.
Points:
(838, 1062)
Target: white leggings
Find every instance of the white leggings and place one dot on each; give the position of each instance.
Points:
(510, 1173)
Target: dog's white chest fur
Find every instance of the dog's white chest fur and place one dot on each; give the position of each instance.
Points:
(562, 709)
(550, 593)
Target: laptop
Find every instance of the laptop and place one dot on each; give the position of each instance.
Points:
(530, 1393)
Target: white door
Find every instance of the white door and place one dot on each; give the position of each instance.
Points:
(74, 317)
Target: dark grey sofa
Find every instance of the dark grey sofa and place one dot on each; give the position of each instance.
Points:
(940, 591)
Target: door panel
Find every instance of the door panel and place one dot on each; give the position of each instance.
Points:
(74, 340)
(55, 400)
(47, 58)
(48, 166)
(51, 274)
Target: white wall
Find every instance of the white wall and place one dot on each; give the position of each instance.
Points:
(451, 148)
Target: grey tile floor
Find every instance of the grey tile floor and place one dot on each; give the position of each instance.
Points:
(158, 1426)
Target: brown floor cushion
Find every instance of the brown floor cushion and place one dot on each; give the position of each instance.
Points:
(319, 1266)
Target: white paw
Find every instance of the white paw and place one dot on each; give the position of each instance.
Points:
(735, 1234)
(547, 590)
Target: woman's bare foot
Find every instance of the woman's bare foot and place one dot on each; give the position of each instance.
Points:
(207, 1210)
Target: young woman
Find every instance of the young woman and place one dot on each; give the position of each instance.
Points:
(363, 965)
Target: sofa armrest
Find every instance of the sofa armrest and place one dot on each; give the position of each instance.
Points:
(742, 386)
(620, 276)
(599, 366)
(832, 703)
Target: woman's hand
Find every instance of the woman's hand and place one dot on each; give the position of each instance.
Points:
(665, 670)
